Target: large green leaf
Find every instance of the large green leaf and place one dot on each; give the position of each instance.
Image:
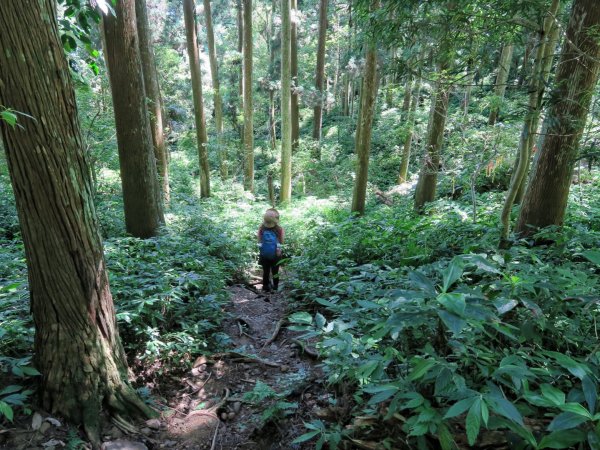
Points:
(566, 421)
(556, 396)
(460, 407)
(562, 439)
(453, 302)
(473, 422)
(452, 273)
(452, 321)
(592, 256)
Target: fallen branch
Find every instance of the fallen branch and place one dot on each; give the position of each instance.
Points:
(236, 357)
(214, 439)
(305, 349)
(275, 332)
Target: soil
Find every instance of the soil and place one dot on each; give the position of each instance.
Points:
(255, 396)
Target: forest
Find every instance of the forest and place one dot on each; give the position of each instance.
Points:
(299, 224)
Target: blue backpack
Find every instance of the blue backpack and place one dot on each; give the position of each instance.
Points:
(268, 248)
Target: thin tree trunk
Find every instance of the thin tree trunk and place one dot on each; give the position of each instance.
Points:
(189, 9)
(77, 346)
(139, 178)
(294, 69)
(286, 103)
(501, 79)
(546, 197)
(364, 128)
(427, 183)
(248, 105)
(153, 96)
(406, 100)
(536, 92)
(218, 102)
(403, 176)
(240, 27)
(319, 77)
(345, 95)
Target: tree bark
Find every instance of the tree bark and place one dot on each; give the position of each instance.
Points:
(294, 69)
(501, 79)
(546, 197)
(248, 106)
(530, 124)
(320, 77)
(240, 26)
(153, 98)
(427, 183)
(403, 176)
(189, 17)
(77, 345)
(364, 128)
(139, 178)
(218, 102)
(286, 103)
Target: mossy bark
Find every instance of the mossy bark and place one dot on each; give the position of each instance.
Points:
(77, 345)
(248, 105)
(320, 77)
(286, 103)
(501, 79)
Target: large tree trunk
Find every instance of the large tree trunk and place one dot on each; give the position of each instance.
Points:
(501, 79)
(248, 107)
(427, 183)
(141, 192)
(320, 77)
(189, 15)
(77, 345)
(218, 102)
(153, 97)
(286, 103)
(530, 125)
(546, 197)
(294, 69)
(406, 150)
(364, 128)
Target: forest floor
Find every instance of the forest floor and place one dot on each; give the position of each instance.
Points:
(254, 396)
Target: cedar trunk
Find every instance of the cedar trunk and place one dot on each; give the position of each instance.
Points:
(286, 103)
(153, 97)
(363, 132)
(320, 76)
(248, 107)
(501, 79)
(141, 191)
(218, 102)
(196, 73)
(294, 69)
(546, 197)
(77, 345)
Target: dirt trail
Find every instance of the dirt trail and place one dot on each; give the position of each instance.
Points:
(255, 396)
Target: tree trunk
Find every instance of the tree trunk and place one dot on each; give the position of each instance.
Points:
(403, 176)
(294, 69)
(406, 100)
(345, 95)
(77, 345)
(139, 178)
(546, 197)
(319, 77)
(530, 125)
(248, 105)
(189, 9)
(364, 128)
(427, 183)
(501, 79)
(154, 100)
(286, 103)
(240, 27)
(218, 102)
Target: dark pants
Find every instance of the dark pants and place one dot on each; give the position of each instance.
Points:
(270, 267)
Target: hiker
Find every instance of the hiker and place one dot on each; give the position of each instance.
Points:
(270, 240)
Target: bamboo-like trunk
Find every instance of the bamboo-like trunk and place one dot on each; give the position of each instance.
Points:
(406, 150)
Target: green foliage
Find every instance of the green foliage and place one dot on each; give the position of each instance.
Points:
(440, 327)
(277, 408)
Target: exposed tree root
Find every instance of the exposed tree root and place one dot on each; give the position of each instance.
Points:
(275, 332)
(305, 349)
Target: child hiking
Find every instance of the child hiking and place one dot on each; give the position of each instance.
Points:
(270, 239)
